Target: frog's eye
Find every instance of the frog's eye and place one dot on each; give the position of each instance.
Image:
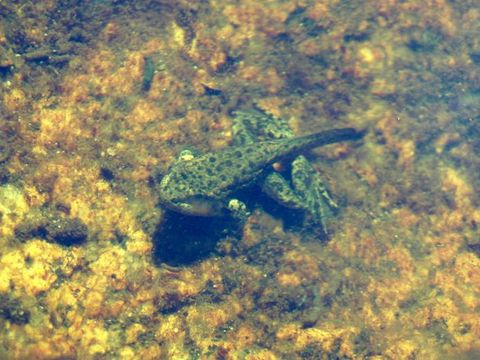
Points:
(186, 155)
(201, 206)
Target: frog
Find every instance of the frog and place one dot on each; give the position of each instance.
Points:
(203, 184)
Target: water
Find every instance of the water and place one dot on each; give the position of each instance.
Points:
(83, 141)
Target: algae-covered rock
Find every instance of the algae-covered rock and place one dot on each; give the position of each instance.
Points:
(53, 227)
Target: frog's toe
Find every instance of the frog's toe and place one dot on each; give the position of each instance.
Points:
(238, 209)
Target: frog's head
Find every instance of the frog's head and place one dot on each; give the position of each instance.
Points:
(175, 196)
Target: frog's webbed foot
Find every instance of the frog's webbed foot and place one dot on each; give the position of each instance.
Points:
(238, 210)
(310, 188)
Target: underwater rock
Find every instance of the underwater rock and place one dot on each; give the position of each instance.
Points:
(53, 228)
(66, 231)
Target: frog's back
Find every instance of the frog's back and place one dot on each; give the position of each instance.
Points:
(215, 173)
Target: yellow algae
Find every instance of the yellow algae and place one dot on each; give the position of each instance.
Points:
(402, 258)
(245, 336)
(366, 55)
(467, 269)
(111, 268)
(13, 206)
(94, 303)
(12, 263)
(205, 49)
(325, 337)
(453, 181)
(64, 296)
(402, 350)
(143, 113)
(286, 279)
(144, 299)
(262, 354)
(178, 35)
(303, 263)
(151, 352)
(127, 353)
(59, 126)
(462, 282)
(445, 248)
(128, 75)
(171, 329)
(32, 268)
(204, 320)
(139, 243)
(94, 339)
(406, 217)
(406, 154)
(111, 31)
(35, 198)
(133, 332)
(14, 100)
(388, 293)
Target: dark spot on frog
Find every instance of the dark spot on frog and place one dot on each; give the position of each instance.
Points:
(228, 163)
(238, 154)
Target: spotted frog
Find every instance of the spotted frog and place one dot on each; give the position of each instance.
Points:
(202, 185)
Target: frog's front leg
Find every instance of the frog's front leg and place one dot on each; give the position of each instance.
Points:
(308, 193)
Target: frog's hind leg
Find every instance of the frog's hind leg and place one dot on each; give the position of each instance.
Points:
(316, 199)
(256, 125)
(278, 189)
(308, 194)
